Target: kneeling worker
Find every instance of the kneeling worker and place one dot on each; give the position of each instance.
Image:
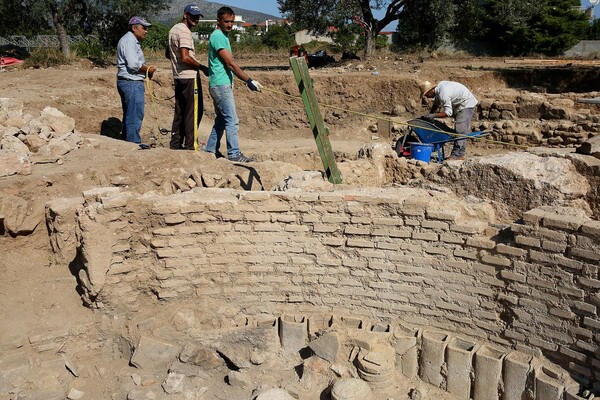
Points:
(457, 102)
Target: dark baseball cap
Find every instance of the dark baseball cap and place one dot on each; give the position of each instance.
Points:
(193, 9)
(139, 21)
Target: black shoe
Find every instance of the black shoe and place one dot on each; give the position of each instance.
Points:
(241, 158)
(144, 146)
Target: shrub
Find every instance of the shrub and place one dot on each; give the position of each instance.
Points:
(92, 49)
(42, 57)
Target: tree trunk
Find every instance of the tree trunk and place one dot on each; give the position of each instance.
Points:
(370, 37)
(61, 32)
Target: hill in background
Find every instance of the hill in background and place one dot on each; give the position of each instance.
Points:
(209, 9)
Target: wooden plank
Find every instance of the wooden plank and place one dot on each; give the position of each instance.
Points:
(320, 131)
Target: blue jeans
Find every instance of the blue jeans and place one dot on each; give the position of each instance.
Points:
(462, 125)
(226, 120)
(132, 101)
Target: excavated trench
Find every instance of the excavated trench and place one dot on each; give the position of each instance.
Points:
(466, 280)
(558, 79)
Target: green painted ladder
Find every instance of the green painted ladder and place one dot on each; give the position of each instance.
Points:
(320, 131)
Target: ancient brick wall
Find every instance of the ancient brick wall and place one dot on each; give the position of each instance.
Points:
(405, 254)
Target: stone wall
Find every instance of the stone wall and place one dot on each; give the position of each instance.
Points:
(397, 253)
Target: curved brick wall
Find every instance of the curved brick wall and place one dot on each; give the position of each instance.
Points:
(401, 253)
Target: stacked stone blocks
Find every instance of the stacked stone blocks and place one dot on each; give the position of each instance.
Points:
(531, 288)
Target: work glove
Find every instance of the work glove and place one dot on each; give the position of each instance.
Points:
(428, 117)
(255, 86)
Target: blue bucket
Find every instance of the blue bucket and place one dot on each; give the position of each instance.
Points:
(421, 151)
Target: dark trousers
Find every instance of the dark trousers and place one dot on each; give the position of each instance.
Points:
(189, 107)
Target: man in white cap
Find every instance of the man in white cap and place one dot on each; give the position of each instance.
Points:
(189, 104)
(456, 101)
(131, 72)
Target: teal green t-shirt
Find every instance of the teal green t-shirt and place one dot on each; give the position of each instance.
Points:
(218, 74)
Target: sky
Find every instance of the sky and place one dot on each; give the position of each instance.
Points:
(270, 7)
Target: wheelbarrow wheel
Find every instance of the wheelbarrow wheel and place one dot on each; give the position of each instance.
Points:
(402, 146)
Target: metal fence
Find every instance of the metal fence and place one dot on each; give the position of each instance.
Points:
(40, 40)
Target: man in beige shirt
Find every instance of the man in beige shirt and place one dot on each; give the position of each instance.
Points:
(189, 105)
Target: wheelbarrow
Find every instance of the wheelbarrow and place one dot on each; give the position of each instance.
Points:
(433, 132)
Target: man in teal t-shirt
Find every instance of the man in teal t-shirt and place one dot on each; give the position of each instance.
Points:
(222, 67)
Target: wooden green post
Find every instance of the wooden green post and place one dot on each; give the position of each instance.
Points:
(320, 131)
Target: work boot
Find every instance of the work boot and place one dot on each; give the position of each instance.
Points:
(241, 158)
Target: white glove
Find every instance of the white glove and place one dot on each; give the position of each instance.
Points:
(255, 86)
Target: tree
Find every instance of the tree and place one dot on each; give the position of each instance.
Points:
(64, 13)
(13, 21)
(108, 18)
(594, 31)
(425, 24)
(278, 37)
(517, 27)
(318, 15)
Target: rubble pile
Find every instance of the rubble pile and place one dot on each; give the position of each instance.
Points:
(26, 140)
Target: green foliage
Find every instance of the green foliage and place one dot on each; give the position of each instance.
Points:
(90, 48)
(45, 58)
(348, 38)
(157, 37)
(425, 24)
(467, 22)
(110, 18)
(594, 31)
(278, 37)
(514, 27)
(381, 42)
(13, 21)
(318, 15)
(205, 28)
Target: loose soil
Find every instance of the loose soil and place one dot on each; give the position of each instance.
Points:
(37, 296)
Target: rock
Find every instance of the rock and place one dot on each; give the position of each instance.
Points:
(566, 103)
(185, 320)
(202, 357)
(351, 389)
(153, 353)
(96, 255)
(19, 217)
(237, 378)
(13, 164)
(11, 144)
(34, 142)
(60, 220)
(8, 131)
(57, 121)
(173, 383)
(398, 110)
(137, 380)
(326, 346)
(13, 372)
(275, 394)
(258, 357)
(75, 394)
(305, 181)
(590, 147)
(238, 345)
(59, 146)
(8, 104)
(189, 370)
(141, 394)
